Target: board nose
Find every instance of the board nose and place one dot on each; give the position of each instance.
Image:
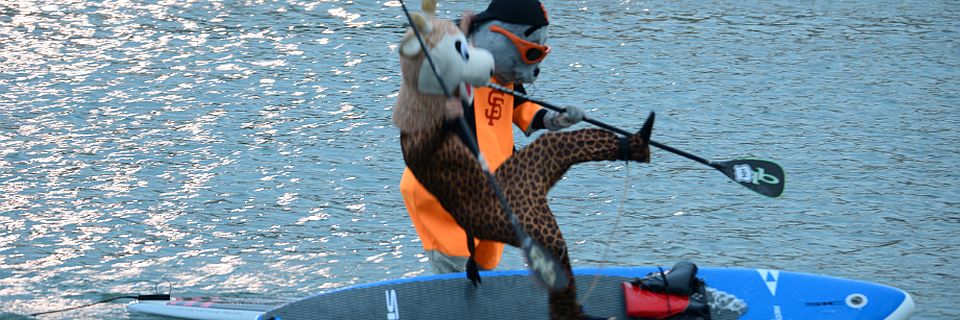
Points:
(905, 309)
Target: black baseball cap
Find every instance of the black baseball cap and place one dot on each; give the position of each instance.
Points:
(525, 12)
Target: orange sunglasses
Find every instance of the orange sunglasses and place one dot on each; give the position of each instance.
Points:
(531, 52)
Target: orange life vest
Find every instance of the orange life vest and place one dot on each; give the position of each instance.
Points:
(494, 114)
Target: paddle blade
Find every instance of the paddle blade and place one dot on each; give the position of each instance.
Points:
(544, 267)
(762, 176)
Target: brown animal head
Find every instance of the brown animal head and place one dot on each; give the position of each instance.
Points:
(421, 103)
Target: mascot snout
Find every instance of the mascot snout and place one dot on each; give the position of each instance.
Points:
(459, 64)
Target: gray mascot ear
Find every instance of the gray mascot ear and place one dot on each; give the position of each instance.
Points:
(410, 47)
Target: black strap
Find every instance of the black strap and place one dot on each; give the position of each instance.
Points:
(470, 245)
(473, 271)
(624, 152)
(469, 112)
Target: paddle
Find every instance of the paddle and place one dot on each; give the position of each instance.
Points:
(761, 176)
(542, 264)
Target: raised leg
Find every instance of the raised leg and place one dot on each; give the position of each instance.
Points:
(456, 179)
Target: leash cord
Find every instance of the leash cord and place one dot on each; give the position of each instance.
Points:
(139, 297)
(613, 231)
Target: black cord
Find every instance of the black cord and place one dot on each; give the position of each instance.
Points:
(139, 297)
(666, 286)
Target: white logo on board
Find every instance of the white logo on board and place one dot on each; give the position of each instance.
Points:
(393, 309)
(770, 279)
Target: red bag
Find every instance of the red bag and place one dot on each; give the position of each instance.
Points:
(650, 305)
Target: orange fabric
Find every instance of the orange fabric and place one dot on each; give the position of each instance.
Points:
(495, 114)
(523, 116)
(437, 229)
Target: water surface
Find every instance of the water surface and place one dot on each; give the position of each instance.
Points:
(244, 148)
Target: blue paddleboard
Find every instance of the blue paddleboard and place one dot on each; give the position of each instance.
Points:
(766, 294)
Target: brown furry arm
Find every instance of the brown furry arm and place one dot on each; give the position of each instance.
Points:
(420, 147)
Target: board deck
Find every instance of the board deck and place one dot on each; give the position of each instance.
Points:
(512, 294)
(162, 308)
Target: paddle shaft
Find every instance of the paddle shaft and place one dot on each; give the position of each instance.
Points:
(608, 127)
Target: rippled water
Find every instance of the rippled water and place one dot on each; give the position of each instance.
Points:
(244, 147)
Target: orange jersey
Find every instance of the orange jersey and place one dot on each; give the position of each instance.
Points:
(494, 114)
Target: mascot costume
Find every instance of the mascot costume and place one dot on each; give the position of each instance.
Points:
(514, 31)
(435, 154)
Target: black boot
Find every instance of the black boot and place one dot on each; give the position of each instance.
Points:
(637, 146)
(473, 272)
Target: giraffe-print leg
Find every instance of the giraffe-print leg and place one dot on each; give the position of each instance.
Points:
(544, 161)
(529, 174)
(448, 170)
